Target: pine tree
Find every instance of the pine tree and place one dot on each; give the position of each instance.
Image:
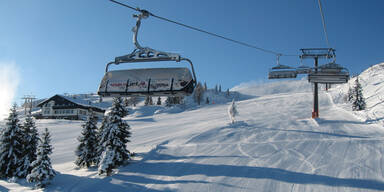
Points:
(232, 111)
(87, 150)
(219, 88)
(30, 144)
(205, 86)
(148, 101)
(207, 101)
(134, 101)
(100, 131)
(168, 102)
(158, 101)
(114, 139)
(227, 93)
(350, 94)
(11, 148)
(358, 103)
(198, 93)
(42, 172)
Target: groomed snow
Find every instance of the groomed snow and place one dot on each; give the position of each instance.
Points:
(273, 146)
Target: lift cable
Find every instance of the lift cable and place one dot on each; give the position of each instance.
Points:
(145, 12)
(323, 21)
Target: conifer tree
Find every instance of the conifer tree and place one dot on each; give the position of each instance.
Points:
(158, 101)
(207, 100)
(350, 94)
(30, 145)
(114, 139)
(205, 86)
(219, 88)
(87, 150)
(168, 102)
(358, 103)
(232, 111)
(11, 148)
(148, 101)
(198, 93)
(42, 172)
(100, 131)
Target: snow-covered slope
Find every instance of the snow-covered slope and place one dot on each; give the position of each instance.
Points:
(274, 146)
(372, 81)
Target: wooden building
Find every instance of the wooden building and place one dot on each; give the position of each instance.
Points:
(67, 107)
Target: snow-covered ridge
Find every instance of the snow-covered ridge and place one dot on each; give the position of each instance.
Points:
(277, 87)
(372, 82)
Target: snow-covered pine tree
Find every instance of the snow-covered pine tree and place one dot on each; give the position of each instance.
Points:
(42, 172)
(350, 94)
(358, 103)
(232, 111)
(100, 131)
(11, 148)
(86, 152)
(134, 100)
(148, 101)
(114, 139)
(30, 144)
(168, 102)
(198, 93)
(227, 94)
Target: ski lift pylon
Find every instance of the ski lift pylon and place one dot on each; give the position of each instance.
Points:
(147, 81)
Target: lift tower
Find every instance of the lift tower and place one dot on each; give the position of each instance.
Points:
(28, 103)
(316, 53)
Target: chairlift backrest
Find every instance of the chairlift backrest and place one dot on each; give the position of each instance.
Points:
(150, 81)
(282, 71)
(303, 69)
(330, 73)
(331, 68)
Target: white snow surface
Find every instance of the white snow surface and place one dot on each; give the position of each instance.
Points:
(273, 146)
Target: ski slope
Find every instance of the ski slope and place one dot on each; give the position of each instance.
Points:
(273, 146)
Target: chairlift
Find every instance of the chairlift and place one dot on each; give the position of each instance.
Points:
(281, 71)
(147, 81)
(302, 69)
(330, 73)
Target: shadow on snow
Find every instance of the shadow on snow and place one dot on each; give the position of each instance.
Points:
(180, 169)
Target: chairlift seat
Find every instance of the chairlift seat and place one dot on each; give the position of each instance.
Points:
(303, 70)
(328, 77)
(331, 68)
(150, 81)
(282, 72)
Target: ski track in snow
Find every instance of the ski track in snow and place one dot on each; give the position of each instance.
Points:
(273, 146)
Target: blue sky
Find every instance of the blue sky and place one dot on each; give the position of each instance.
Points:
(63, 46)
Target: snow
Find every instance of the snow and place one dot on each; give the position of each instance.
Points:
(274, 145)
